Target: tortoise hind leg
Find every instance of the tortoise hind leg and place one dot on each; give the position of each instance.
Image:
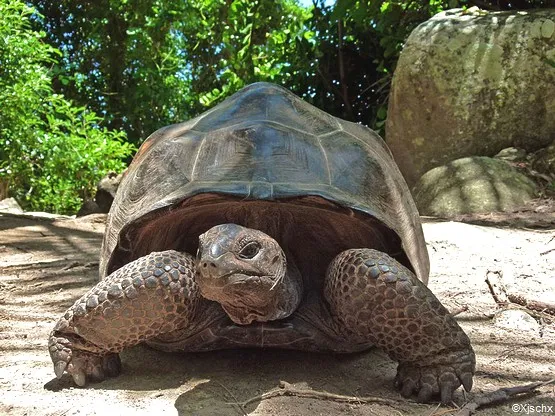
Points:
(375, 297)
(153, 295)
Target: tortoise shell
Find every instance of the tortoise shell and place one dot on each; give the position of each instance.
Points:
(266, 159)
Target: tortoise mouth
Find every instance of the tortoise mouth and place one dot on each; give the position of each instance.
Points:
(238, 278)
(231, 285)
(311, 230)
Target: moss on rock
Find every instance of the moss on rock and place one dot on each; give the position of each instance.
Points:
(472, 185)
(472, 83)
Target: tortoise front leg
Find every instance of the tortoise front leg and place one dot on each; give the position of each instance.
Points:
(378, 299)
(150, 296)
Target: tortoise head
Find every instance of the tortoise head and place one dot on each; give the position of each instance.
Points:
(245, 270)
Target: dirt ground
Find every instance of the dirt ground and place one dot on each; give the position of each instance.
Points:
(46, 264)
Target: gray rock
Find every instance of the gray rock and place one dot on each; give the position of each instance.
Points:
(511, 154)
(472, 185)
(105, 192)
(11, 206)
(89, 207)
(515, 319)
(472, 83)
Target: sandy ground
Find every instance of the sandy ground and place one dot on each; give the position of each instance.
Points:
(46, 264)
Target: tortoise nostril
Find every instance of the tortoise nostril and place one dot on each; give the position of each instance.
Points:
(204, 264)
(212, 265)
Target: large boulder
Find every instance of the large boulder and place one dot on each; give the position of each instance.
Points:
(472, 83)
(472, 185)
(105, 192)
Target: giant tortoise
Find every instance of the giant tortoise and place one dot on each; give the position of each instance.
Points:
(265, 222)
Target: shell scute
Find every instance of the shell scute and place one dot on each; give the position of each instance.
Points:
(265, 143)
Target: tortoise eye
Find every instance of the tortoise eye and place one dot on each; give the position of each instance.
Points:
(250, 250)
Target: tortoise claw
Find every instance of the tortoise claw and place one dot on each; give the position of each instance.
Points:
(79, 377)
(467, 381)
(434, 380)
(60, 368)
(97, 373)
(80, 364)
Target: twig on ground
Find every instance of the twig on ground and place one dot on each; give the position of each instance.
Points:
(287, 389)
(71, 265)
(503, 298)
(459, 310)
(445, 411)
(551, 249)
(74, 264)
(531, 304)
(499, 396)
(435, 410)
(496, 288)
(235, 402)
(495, 397)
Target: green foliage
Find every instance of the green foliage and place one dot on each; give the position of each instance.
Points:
(146, 64)
(52, 153)
(358, 45)
(24, 80)
(74, 155)
(259, 41)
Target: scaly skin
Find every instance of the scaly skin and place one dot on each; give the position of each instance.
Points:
(377, 298)
(372, 300)
(153, 295)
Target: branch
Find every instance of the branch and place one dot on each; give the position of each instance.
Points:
(501, 296)
(344, 90)
(500, 396)
(531, 304)
(287, 389)
(496, 397)
(459, 310)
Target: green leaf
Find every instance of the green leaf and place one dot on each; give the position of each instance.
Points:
(382, 112)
